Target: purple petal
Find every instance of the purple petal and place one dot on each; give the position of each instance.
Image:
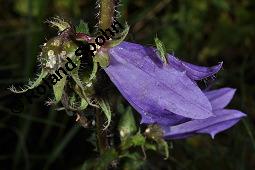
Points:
(222, 120)
(213, 130)
(166, 119)
(220, 98)
(193, 71)
(145, 82)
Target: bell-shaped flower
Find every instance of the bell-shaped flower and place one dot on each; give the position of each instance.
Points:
(167, 94)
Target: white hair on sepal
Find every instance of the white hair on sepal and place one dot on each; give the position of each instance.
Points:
(31, 84)
(59, 23)
(12, 88)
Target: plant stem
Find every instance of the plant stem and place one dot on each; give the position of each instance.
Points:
(106, 14)
(105, 20)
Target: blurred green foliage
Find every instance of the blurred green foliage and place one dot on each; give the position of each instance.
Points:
(199, 31)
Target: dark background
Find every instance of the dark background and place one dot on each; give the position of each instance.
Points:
(199, 31)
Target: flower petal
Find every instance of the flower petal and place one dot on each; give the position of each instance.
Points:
(222, 120)
(193, 71)
(166, 119)
(213, 130)
(140, 76)
(220, 98)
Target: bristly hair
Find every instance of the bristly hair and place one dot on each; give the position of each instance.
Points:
(116, 13)
(59, 23)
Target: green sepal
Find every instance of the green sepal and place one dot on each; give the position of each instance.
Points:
(59, 23)
(31, 84)
(94, 71)
(88, 74)
(162, 50)
(83, 105)
(105, 106)
(102, 59)
(58, 89)
(81, 91)
(82, 27)
(163, 146)
(119, 38)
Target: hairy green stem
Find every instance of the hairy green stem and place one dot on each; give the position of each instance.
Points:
(105, 20)
(106, 13)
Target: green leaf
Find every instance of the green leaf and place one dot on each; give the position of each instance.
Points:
(58, 89)
(105, 106)
(161, 49)
(83, 27)
(127, 124)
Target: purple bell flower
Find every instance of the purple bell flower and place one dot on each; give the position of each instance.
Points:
(168, 95)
